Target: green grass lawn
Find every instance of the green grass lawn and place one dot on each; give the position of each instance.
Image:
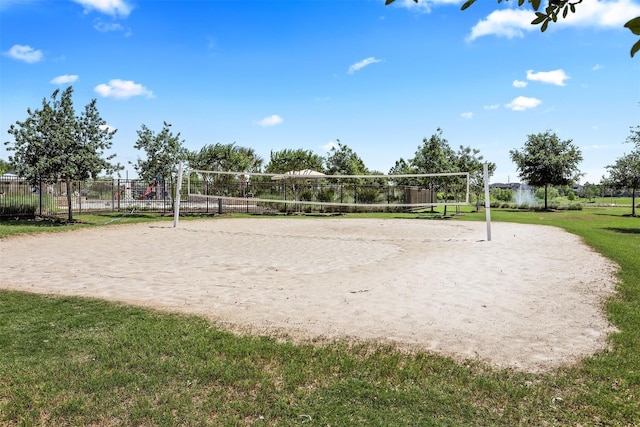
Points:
(72, 361)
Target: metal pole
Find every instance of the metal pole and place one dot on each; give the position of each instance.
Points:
(176, 202)
(40, 197)
(487, 201)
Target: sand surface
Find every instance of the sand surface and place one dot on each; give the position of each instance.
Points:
(531, 299)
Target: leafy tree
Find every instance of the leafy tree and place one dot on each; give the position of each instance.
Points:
(469, 160)
(55, 144)
(436, 156)
(164, 151)
(229, 158)
(625, 172)
(546, 160)
(402, 167)
(433, 156)
(634, 138)
(552, 193)
(288, 160)
(292, 160)
(589, 191)
(226, 157)
(4, 166)
(553, 10)
(344, 161)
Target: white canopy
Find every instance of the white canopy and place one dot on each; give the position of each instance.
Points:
(301, 174)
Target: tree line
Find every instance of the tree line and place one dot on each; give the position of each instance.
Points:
(55, 144)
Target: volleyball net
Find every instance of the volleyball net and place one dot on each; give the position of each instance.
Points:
(311, 191)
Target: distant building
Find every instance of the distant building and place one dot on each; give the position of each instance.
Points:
(515, 186)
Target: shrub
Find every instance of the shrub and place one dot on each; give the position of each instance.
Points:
(326, 195)
(23, 210)
(552, 193)
(502, 194)
(306, 196)
(367, 195)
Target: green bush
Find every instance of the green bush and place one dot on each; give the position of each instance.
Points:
(306, 196)
(569, 207)
(326, 195)
(552, 193)
(502, 194)
(367, 195)
(24, 210)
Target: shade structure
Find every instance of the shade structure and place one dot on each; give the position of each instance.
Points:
(301, 174)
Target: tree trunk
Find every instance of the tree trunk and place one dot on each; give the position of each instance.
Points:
(633, 202)
(545, 197)
(69, 193)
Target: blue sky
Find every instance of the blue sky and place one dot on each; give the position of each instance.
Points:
(276, 74)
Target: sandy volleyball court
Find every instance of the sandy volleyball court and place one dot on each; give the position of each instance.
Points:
(531, 299)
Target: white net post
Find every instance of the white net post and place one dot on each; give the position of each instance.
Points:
(176, 200)
(487, 201)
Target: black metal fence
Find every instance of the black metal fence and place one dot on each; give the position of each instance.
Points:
(19, 199)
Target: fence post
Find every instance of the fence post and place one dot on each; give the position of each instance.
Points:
(40, 197)
(206, 192)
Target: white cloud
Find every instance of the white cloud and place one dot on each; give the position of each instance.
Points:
(116, 8)
(330, 145)
(519, 83)
(491, 107)
(522, 103)
(508, 23)
(122, 89)
(595, 13)
(467, 115)
(597, 67)
(109, 128)
(555, 77)
(24, 53)
(360, 65)
(272, 120)
(64, 79)
(424, 6)
(594, 147)
(602, 13)
(107, 27)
